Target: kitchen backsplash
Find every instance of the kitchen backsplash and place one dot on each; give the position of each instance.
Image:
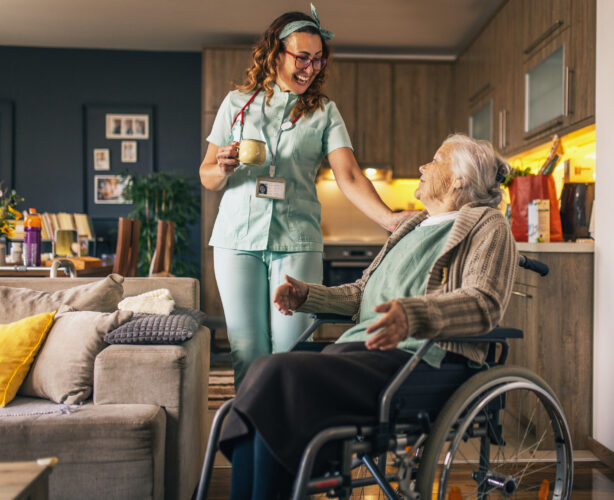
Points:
(342, 220)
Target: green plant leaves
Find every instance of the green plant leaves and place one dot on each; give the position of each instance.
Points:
(164, 196)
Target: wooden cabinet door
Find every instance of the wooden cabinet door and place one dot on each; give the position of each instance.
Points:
(543, 131)
(542, 20)
(374, 113)
(222, 68)
(508, 78)
(421, 114)
(340, 87)
(583, 51)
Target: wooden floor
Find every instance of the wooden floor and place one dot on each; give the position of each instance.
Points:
(592, 481)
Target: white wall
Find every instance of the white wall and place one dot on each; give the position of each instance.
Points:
(603, 374)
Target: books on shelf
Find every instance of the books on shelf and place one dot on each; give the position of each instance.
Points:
(82, 223)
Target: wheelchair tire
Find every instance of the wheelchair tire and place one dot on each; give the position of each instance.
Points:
(501, 435)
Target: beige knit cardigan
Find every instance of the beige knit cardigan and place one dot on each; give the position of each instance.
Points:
(468, 287)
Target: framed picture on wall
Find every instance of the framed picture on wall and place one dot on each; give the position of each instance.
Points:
(129, 151)
(124, 126)
(102, 159)
(109, 189)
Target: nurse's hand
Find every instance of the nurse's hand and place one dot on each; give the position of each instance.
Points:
(392, 326)
(228, 158)
(396, 218)
(290, 295)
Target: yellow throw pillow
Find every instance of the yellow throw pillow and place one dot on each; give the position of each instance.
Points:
(19, 343)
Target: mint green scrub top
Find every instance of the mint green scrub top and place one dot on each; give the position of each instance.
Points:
(246, 222)
(404, 272)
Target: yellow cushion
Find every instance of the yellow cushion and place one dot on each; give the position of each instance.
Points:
(19, 343)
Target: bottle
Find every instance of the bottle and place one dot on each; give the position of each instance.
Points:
(16, 253)
(32, 240)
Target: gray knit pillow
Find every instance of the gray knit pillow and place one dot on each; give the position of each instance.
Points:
(175, 328)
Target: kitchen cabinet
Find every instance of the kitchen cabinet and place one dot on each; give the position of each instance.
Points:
(547, 88)
(508, 114)
(556, 312)
(374, 113)
(542, 20)
(422, 94)
(523, 34)
(340, 87)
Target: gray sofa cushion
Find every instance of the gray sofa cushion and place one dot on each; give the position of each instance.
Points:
(101, 295)
(175, 328)
(104, 451)
(63, 371)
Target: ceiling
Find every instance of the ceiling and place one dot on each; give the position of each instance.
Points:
(442, 27)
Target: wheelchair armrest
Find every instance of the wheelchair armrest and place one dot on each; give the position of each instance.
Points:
(320, 319)
(331, 318)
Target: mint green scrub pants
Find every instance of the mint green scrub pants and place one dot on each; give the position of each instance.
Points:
(247, 281)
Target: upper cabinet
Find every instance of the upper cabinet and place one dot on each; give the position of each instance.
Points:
(340, 87)
(535, 61)
(421, 114)
(374, 113)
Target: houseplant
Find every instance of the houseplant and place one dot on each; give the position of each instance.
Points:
(9, 199)
(163, 196)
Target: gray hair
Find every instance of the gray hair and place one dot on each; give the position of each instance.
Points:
(480, 168)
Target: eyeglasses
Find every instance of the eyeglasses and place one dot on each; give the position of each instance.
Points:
(303, 62)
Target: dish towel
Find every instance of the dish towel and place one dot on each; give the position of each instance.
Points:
(155, 302)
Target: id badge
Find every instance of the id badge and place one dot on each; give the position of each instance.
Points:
(271, 187)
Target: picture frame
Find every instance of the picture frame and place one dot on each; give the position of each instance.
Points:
(126, 126)
(102, 159)
(129, 151)
(109, 189)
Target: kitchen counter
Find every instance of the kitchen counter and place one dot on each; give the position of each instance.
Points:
(561, 247)
(343, 241)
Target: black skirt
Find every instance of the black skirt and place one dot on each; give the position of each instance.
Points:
(290, 397)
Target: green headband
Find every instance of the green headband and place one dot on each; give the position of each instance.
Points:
(297, 25)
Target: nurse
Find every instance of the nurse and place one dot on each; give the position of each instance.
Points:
(268, 224)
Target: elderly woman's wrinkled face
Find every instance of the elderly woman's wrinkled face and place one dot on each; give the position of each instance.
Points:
(437, 179)
(291, 78)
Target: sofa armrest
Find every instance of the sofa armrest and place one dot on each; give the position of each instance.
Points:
(174, 377)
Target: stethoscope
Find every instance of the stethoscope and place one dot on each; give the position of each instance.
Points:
(285, 126)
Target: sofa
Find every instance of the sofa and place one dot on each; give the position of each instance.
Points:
(142, 432)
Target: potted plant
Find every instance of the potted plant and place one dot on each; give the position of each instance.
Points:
(163, 196)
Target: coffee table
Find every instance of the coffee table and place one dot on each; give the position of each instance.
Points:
(25, 480)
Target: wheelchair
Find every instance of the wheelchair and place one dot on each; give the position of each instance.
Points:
(500, 434)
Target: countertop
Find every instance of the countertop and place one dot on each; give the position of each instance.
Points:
(562, 247)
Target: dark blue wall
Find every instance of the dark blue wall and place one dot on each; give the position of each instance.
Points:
(49, 89)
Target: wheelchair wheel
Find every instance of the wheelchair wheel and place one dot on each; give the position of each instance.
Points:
(501, 435)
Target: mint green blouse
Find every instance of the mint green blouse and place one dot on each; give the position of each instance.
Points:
(403, 272)
(246, 222)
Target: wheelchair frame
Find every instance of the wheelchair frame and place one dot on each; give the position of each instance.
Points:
(473, 411)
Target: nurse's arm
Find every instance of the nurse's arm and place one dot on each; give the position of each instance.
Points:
(219, 163)
(359, 190)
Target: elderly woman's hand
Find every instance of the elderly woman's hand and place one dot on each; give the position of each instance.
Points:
(393, 326)
(290, 295)
(227, 158)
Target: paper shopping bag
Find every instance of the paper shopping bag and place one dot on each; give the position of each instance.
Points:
(523, 190)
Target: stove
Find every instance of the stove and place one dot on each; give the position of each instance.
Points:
(346, 259)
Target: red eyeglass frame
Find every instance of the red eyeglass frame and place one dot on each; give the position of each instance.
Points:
(310, 60)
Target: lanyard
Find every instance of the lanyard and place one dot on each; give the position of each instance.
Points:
(287, 125)
(242, 114)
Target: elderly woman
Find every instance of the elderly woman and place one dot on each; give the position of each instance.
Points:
(447, 271)
(268, 224)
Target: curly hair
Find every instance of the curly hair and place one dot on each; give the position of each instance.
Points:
(262, 73)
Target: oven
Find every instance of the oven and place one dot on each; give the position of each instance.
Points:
(345, 263)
